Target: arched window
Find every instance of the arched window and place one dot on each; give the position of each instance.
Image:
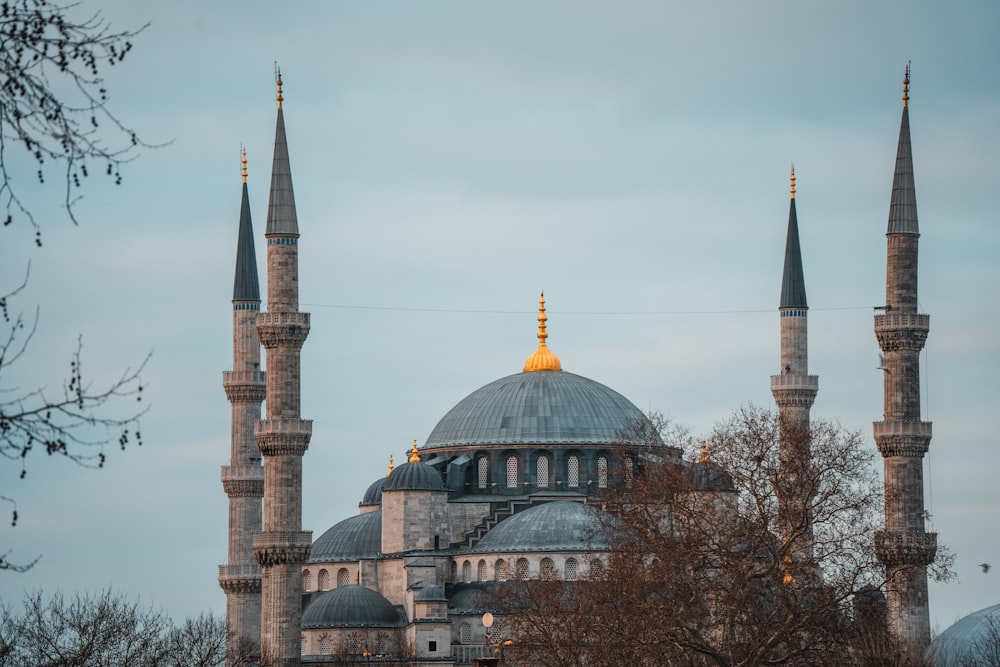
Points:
(466, 571)
(324, 580)
(501, 570)
(629, 472)
(304, 645)
(522, 569)
(325, 645)
(542, 471)
(465, 634)
(382, 643)
(547, 568)
(354, 643)
(483, 468)
(343, 577)
(307, 581)
(571, 569)
(511, 472)
(602, 472)
(482, 571)
(573, 471)
(454, 570)
(596, 569)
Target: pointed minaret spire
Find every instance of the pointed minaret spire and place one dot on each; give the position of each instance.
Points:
(905, 548)
(903, 207)
(243, 478)
(794, 391)
(281, 217)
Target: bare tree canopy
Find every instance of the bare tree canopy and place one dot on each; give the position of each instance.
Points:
(703, 568)
(53, 100)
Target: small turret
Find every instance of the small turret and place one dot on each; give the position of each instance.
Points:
(543, 359)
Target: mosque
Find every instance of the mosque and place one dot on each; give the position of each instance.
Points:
(505, 484)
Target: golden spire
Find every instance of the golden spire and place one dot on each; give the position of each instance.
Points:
(788, 579)
(278, 73)
(793, 181)
(704, 458)
(542, 359)
(414, 456)
(390, 466)
(244, 149)
(906, 86)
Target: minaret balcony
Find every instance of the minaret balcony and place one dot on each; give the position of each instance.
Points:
(890, 321)
(897, 549)
(790, 381)
(240, 571)
(890, 428)
(283, 436)
(244, 377)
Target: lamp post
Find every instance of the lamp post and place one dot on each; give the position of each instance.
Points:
(488, 662)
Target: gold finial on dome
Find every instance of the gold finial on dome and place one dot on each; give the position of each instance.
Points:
(414, 456)
(793, 181)
(543, 359)
(390, 466)
(277, 71)
(244, 149)
(906, 86)
(704, 458)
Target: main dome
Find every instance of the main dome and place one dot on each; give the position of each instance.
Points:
(538, 407)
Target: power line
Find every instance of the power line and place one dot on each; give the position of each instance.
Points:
(587, 313)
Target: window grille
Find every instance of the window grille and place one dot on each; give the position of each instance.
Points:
(325, 646)
(324, 580)
(511, 472)
(382, 643)
(467, 571)
(465, 634)
(304, 645)
(482, 571)
(501, 570)
(354, 643)
(343, 577)
(629, 471)
(602, 472)
(573, 471)
(548, 568)
(542, 471)
(596, 569)
(307, 580)
(484, 472)
(571, 569)
(522, 569)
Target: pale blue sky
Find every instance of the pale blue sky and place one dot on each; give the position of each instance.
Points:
(627, 157)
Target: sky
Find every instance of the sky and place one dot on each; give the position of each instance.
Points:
(451, 160)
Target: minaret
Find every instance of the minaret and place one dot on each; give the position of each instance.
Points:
(904, 548)
(243, 478)
(283, 436)
(794, 391)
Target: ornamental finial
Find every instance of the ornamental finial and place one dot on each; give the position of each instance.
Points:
(793, 182)
(390, 466)
(244, 161)
(414, 456)
(906, 86)
(277, 73)
(542, 359)
(704, 458)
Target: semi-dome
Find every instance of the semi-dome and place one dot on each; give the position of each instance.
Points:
(555, 526)
(350, 607)
(353, 538)
(537, 407)
(373, 495)
(414, 476)
(966, 641)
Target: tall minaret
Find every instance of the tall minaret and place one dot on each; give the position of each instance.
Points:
(794, 391)
(243, 478)
(283, 436)
(904, 548)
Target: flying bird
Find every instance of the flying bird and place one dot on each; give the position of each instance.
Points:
(985, 566)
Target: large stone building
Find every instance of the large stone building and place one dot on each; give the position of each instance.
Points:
(502, 487)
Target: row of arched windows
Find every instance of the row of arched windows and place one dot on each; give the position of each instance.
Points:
(543, 467)
(323, 579)
(504, 570)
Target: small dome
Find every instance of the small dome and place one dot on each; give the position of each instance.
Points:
(373, 496)
(414, 477)
(964, 642)
(428, 592)
(350, 607)
(353, 538)
(555, 526)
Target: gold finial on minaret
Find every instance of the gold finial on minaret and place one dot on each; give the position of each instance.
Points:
(278, 75)
(414, 456)
(543, 359)
(906, 85)
(788, 579)
(244, 160)
(704, 458)
(389, 472)
(793, 181)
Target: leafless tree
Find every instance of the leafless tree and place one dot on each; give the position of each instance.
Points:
(53, 98)
(198, 642)
(702, 570)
